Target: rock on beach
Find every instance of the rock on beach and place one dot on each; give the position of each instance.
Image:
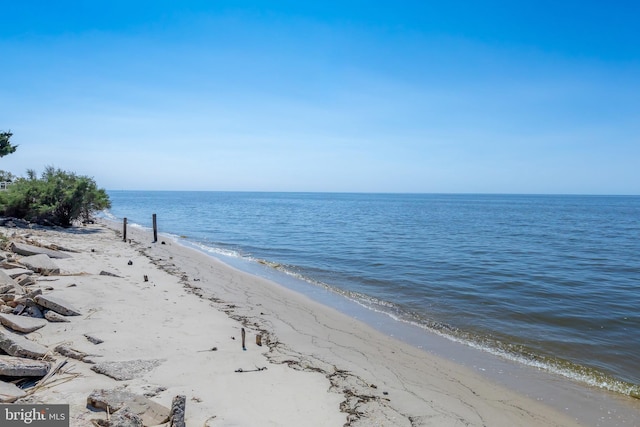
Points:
(16, 345)
(126, 370)
(9, 392)
(150, 412)
(40, 263)
(27, 250)
(24, 324)
(11, 366)
(58, 305)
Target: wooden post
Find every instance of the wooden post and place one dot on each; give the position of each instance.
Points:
(155, 229)
(178, 409)
(124, 230)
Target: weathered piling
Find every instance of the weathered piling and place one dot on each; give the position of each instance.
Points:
(155, 228)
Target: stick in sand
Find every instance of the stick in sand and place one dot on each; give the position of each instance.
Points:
(243, 335)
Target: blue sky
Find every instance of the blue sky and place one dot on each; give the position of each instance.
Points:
(436, 97)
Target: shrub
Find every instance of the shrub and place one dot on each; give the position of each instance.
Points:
(57, 198)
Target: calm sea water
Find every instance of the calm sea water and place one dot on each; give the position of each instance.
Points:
(552, 281)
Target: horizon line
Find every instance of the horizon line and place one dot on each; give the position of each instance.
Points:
(381, 193)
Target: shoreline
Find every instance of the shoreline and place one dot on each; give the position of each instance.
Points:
(324, 368)
(498, 366)
(583, 403)
(493, 299)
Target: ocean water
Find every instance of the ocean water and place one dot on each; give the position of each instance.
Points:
(550, 281)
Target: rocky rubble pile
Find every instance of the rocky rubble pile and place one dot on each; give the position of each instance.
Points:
(27, 304)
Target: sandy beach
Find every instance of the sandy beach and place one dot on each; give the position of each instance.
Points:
(183, 313)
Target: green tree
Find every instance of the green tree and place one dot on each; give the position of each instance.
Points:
(57, 198)
(6, 176)
(5, 144)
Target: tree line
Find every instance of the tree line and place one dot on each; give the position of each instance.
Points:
(56, 197)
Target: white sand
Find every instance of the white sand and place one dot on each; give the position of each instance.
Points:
(323, 368)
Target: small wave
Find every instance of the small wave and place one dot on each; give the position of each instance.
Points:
(215, 250)
(565, 368)
(525, 356)
(107, 215)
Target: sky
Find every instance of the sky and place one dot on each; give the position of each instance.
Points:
(530, 97)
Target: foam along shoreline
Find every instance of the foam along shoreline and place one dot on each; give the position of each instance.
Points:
(323, 367)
